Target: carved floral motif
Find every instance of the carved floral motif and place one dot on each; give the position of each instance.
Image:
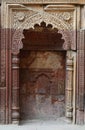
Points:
(20, 16)
(66, 17)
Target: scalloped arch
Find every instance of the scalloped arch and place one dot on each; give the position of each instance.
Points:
(37, 19)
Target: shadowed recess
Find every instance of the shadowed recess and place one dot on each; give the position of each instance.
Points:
(44, 35)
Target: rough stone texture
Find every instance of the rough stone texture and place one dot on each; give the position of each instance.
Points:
(42, 86)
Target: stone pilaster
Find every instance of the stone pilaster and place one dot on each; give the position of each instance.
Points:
(69, 86)
(15, 89)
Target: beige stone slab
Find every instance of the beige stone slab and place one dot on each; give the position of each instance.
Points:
(46, 1)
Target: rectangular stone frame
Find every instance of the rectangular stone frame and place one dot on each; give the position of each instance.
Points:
(9, 85)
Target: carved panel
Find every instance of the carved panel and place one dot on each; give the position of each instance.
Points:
(22, 15)
(62, 20)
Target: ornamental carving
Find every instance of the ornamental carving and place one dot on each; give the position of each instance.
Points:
(65, 18)
(18, 36)
(16, 41)
(31, 17)
(20, 16)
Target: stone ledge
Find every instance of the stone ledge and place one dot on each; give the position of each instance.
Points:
(45, 1)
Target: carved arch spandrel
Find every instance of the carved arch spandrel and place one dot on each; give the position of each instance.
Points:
(37, 19)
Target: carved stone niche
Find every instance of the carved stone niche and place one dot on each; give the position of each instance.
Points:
(24, 18)
(44, 32)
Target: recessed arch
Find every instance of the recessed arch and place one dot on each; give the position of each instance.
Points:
(46, 37)
(17, 44)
